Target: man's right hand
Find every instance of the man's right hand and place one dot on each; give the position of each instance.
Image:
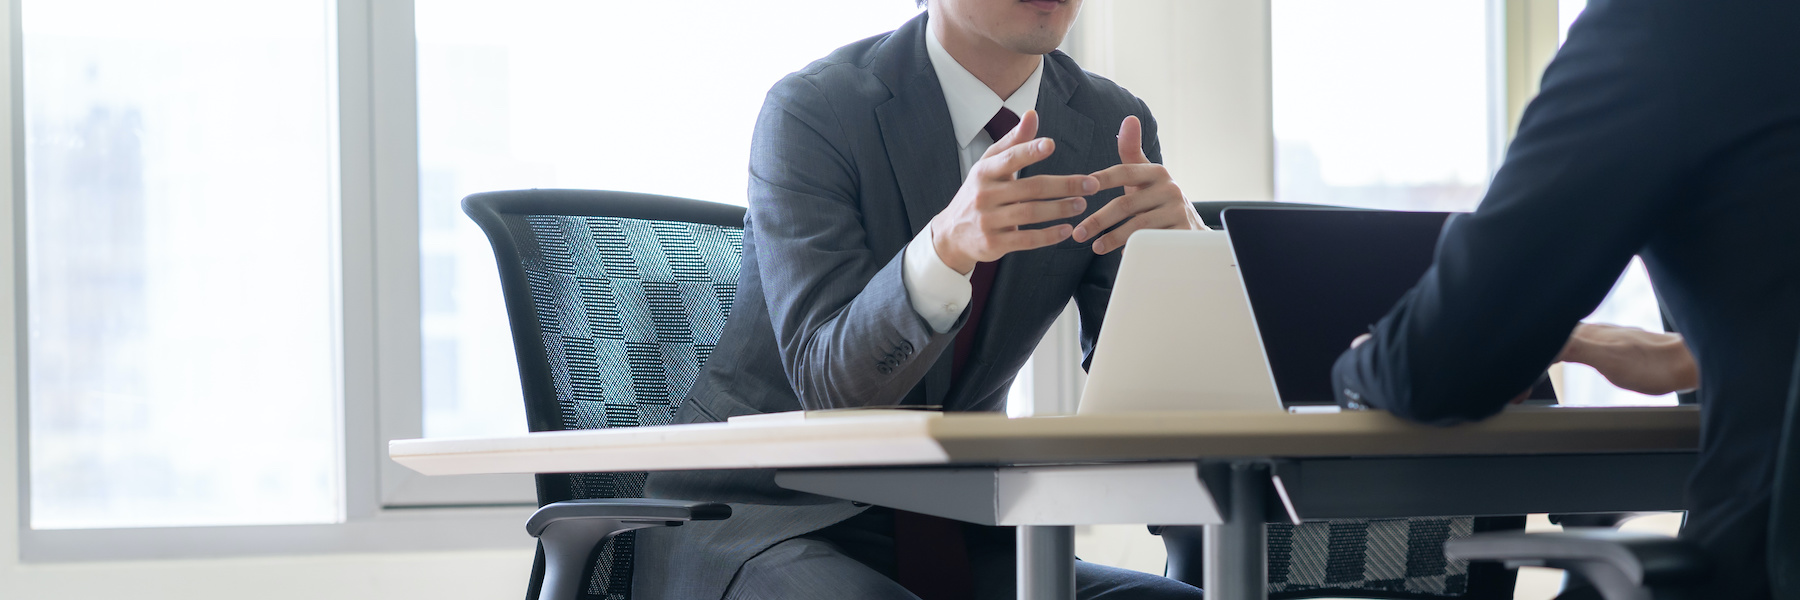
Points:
(1645, 362)
(983, 222)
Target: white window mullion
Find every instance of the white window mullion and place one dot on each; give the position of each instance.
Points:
(399, 375)
(362, 448)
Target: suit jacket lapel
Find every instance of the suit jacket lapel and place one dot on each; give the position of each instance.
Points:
(1019, 271)
(921, 147)
(915, 126)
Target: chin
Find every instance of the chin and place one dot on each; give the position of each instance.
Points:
(1036, 42)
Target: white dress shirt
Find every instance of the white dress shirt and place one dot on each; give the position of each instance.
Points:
(938, 292)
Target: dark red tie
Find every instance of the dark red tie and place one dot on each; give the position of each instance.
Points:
(932, 557)
(982, 280)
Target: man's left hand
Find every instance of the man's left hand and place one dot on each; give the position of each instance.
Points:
(1151, 199)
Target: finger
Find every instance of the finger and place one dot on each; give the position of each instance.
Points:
(1155, 219)
(1131, 141)
(1137, 174)
(1147, 199)
(1024, 131)
(1115, 212)
(1003, 166)
(1031, 239)
(1029, 213)
(1047, 187)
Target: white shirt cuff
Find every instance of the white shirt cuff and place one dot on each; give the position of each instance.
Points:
(938, 292)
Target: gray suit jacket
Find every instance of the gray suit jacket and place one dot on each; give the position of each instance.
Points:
(852, 157)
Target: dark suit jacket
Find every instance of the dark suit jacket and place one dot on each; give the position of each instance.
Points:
(1666, 128)
(852, 157)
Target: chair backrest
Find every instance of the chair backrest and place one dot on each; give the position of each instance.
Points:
(1381, 558)
(1784, 505)
(615, 300)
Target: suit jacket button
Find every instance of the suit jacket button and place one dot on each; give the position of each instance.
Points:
(885, 369)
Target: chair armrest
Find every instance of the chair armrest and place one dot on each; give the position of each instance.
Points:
(1622, 565)
(638, 511)
(572, 531)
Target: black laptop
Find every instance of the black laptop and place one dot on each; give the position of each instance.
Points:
(1317, 278)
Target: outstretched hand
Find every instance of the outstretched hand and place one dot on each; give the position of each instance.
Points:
(1151, 200)
(984, 221)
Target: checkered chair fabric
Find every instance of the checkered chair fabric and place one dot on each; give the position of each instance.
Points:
(1383, 557)
(627, 299)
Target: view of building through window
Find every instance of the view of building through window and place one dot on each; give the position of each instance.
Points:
(180, 243)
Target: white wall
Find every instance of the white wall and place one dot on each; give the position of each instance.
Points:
(1203, 67)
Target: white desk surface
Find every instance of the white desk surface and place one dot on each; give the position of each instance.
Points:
(918, 438)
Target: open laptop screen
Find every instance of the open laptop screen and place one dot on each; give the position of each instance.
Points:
(1317, 278)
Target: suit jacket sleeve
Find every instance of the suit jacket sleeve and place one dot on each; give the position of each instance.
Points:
(1097, 284)
(846, 329)
(1593, 172)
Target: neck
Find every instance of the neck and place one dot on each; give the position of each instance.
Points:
(1001, 69)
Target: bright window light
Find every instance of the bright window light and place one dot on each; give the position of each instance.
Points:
(1566, 11)
(1381, 103)
(181, 296)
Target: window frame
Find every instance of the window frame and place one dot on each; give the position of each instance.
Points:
(394, 140)
(373, 40)
(388, 508)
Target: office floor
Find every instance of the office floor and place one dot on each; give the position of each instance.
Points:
(1132, 547)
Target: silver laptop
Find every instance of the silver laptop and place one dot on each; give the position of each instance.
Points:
(1179, 334)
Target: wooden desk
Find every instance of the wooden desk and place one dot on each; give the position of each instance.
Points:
(1336, 465)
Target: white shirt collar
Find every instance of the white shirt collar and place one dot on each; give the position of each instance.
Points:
(972, 103)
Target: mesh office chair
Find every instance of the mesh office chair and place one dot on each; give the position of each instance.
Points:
(1380, 558)
(1639, 566)
(615, 300)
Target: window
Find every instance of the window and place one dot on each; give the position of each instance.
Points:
(1381, 103)
(180, 245)
(530, 96)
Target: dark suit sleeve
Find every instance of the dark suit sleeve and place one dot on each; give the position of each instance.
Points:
(1594, 170)
(846, 329)
(1097, 284)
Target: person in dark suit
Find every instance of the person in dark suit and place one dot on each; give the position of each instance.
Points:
(923, 204)
(1668, 129)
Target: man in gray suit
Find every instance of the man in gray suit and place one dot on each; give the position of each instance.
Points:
(923, 204)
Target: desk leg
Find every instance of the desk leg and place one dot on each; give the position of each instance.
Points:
(1046, 563)
(1237, 551)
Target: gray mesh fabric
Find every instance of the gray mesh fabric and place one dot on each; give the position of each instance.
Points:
(1399, 556)
(629, 310)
